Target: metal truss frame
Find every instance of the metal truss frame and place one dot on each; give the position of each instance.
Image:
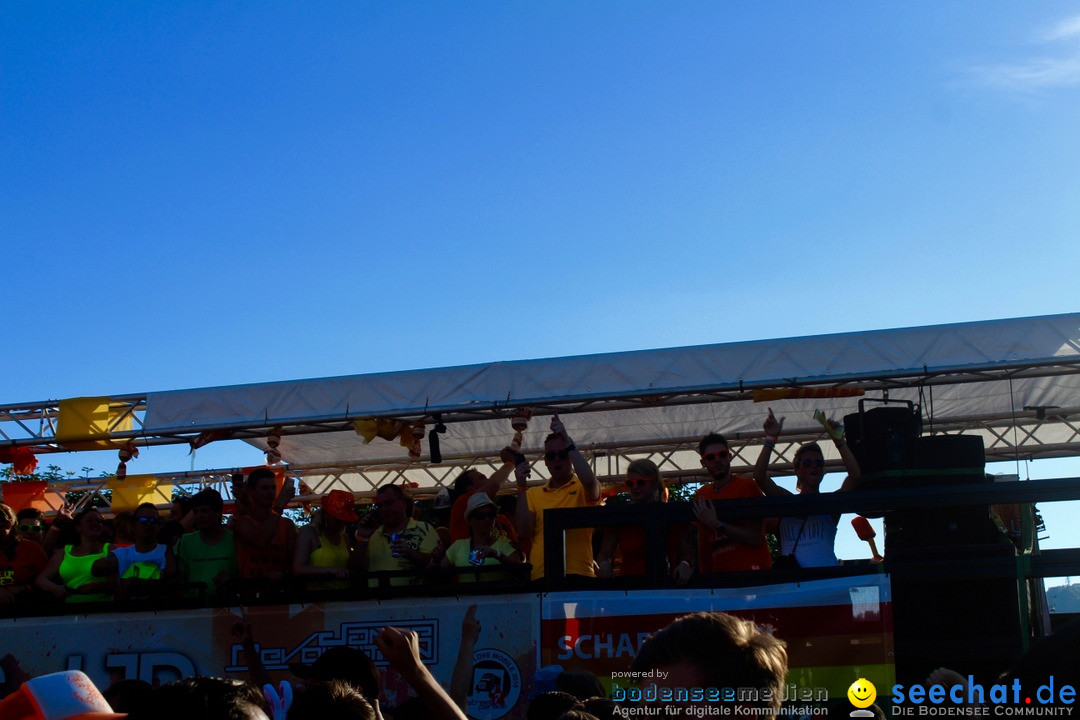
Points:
(1006, 439)
(18, 421)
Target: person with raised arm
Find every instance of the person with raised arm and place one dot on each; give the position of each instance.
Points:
(571, 484)
(808, 541)
(472, 481)
(401, 648)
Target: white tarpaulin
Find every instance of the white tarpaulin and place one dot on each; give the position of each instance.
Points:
(962, 371)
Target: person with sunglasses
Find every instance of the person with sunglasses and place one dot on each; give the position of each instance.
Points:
(20, 560)
(645, 487)
(31, 525)
(808, 541)
(726, 545)
(146, 560)
(483, 546)
(571, 484)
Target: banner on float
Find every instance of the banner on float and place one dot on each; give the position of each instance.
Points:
(160, 647)
(837, 630)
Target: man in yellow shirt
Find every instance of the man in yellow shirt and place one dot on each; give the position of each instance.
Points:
(400, 542)
(572, 484)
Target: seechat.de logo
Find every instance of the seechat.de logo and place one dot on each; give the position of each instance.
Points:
(968, 698)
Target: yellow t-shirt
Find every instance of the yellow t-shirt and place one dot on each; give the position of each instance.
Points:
(417, 535)
(328, 555)
(578, 545)
(458, 555)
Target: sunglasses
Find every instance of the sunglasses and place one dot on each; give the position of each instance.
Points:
(715, 456)
(560, 454)
(636, 483)
(147, 520)
(483, 515)
(808, 463)
(30, 528)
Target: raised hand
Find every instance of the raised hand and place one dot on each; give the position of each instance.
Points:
(401, 648)
(772, 426)
(558, 428)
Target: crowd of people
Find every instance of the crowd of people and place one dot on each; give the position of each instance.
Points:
(707, 650)
(82, 557)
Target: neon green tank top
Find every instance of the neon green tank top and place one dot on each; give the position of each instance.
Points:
(328, 555)
(75, 572)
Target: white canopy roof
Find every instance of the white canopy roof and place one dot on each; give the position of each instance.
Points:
(1016, 381)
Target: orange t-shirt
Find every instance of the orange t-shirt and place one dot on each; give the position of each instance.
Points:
(633, 546)
(253, 562)
(728, 555)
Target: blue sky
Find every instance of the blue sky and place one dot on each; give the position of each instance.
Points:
(197, 194)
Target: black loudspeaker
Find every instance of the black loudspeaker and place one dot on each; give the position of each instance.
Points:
(883, 440)
(959, 456)
(971, 625)
(942, 460)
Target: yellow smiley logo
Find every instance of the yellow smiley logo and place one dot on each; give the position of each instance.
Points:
(862, 693)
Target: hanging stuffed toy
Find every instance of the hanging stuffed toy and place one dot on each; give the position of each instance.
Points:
(208, 436)
(125, 453)
(411, 438)
(273, 455)
(520, 422)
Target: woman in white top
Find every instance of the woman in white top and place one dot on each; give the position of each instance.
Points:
(808, 540)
